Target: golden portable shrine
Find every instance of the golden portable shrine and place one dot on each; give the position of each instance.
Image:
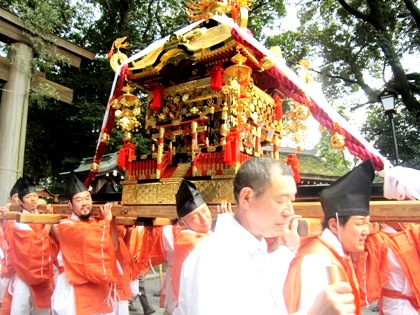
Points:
(215, 98)
(210, 107)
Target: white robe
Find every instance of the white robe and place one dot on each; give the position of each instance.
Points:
(230, 272)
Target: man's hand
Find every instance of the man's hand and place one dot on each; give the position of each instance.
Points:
(290, 235)
(4, 210)
(106, 211)
(224, 207)
(336, 299)
(49, 209)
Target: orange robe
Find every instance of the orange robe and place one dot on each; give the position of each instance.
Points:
(316, 245)
(372, 265)
(126, 262)
(8, 236)
(147, 244)
(89, 263)
(184, 242)
(31, 259)
(4, 248)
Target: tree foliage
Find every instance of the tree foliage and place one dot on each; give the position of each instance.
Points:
(361, 40)
(377, 128)
(358, 48)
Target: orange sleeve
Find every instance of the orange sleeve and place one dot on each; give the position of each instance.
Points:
(125, 260)
(4, 270)
(31, 256)
(135, 240)
(31, 259)
(88, 253)
(372, 268)
(151, 250)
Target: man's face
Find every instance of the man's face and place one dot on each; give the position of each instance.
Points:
(199, 220)
(353, 234)
(268, 214)
(81, 205)
(14, 199)
(29, 202)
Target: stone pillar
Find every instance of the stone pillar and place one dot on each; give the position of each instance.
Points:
(13, 117)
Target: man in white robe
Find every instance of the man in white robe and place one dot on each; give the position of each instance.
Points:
(233, 271)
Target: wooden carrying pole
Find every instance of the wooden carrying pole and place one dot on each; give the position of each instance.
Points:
(380, 211)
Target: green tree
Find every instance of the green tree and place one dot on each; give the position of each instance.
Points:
(377, 129)
(361, 40)
(358, 47)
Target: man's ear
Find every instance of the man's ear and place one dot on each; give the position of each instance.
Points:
(245, 195)
(181, 222)
(332, 225)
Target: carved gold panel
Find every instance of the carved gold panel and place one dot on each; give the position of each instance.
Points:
(213, 191)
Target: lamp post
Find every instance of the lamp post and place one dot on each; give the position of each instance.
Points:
(387, 98)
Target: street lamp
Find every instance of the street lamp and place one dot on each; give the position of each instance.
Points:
(387, 98)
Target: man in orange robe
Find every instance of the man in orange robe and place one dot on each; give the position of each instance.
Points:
(388, 269)
(31, 259)
(87, 284)
(6, 230)
(346, 221)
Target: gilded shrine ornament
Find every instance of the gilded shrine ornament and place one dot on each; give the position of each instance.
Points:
(127, 110)
(104, 137)
(94, 167)
(117, 58)
(337, 141)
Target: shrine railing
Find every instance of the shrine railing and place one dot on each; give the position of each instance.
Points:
(148, 168)
(212, 164)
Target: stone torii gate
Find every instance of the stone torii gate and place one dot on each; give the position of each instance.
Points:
(16, 72)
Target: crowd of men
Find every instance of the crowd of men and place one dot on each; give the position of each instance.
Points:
(250, 261)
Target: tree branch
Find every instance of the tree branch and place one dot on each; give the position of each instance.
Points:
(414, 10)
(335, 77)
(353, 108)
(353, 11)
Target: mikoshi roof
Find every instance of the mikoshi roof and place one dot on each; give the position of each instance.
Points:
(281, 76)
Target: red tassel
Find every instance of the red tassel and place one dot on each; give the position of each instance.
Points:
(157, 99)
(338, 129)
(126, 154)
(279, 108)
(293, 162)
(111, 52)
(227, 157)
(232, 148)
(122, 157)
(244, 88)
(132, 152)
(234, 13)
(216, 77)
